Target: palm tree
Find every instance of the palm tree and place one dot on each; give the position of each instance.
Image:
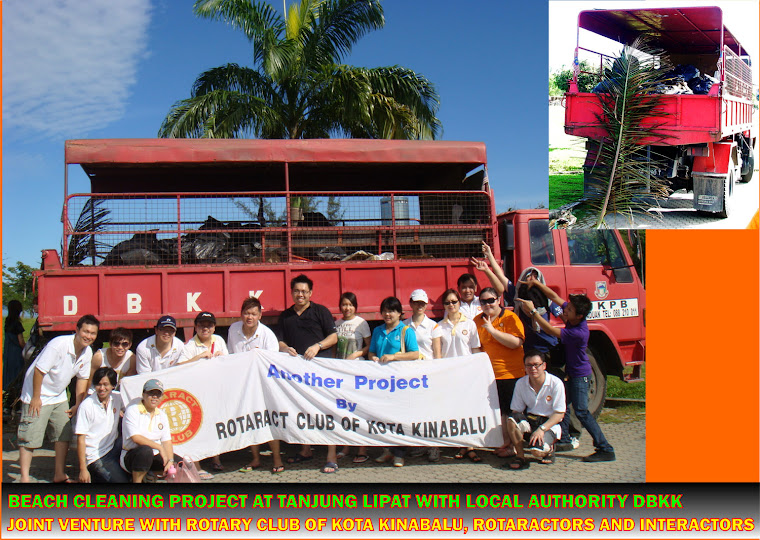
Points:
(631, 112)
(298, 87)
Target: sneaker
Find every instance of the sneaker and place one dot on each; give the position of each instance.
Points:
(567, 446)
(150, 478)
(434, 454)
(600, 456)
(384, 457)
(398, 461)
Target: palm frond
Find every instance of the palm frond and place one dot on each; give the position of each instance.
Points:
(253, 18)
(339, 24)
(222, 114)
(632, 116)
(92, 219)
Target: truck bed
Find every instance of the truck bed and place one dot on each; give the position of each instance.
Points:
(691, 119)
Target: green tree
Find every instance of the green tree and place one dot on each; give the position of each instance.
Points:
(299, 87)
(559, 80)
(18, 282)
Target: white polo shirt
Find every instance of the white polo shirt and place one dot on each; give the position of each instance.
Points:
(425, 332)
(59, 362)
(458, 339)
(194, 347)
(149, 359)
(549, 399)
(471, 310)
(138, 421)
(262, 338)
(99, 425)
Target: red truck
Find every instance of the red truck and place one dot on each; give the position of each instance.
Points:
(176, 226)
(707, 139)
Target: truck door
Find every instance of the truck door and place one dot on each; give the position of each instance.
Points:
(598, 267)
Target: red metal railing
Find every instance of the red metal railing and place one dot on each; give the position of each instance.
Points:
(140, 229)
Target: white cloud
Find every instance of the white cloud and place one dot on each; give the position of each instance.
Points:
(69, 65)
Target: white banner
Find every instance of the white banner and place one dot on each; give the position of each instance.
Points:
(231, 402)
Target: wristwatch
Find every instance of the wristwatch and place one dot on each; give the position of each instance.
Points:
(319, 344)
(542, 427)
(533, 312)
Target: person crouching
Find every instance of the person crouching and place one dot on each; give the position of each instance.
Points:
(147, 441)
(538, 406)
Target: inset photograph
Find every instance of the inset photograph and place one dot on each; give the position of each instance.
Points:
(653, 114)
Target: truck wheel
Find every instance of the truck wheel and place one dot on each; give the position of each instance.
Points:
(728, 193)
(597, 391)
(748, 167)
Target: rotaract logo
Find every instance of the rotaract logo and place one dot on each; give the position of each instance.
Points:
(184, 412)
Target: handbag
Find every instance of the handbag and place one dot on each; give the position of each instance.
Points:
(186, 473)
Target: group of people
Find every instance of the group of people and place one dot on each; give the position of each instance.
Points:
(518, 341)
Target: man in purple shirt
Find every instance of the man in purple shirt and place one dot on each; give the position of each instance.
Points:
(574, 336)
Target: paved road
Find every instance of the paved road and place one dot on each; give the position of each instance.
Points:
(677, 212)
(628, 439)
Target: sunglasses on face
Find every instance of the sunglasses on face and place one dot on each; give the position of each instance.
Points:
(155, 393)
(451, 302)
(124, 344)
(488, 301)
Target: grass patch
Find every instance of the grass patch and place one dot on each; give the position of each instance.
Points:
(623, 415)
(617, 388)
(565, 188)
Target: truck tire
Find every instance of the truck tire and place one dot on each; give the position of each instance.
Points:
(748, 166)
(728, 194)
(597, 391)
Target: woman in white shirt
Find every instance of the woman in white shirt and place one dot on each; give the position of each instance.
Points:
(353, 331)
(353, 344)
(460, 335)
(460, 338)
(426, 329)
(118, 356)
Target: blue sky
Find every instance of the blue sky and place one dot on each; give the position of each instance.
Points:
(100, 69)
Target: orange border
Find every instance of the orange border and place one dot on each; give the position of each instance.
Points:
(702, 356)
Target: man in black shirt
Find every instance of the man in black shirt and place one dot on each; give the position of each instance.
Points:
(308, 329)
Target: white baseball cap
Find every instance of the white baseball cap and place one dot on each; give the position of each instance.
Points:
(419, 295)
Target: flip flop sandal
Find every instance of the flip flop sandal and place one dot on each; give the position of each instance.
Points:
(549, 458)
(278, 469)
(473, 456)
(298, 458)
(517, 464)
(361, 458)
(205, 475)
(67, 481)
(330, 465)
(249, 468)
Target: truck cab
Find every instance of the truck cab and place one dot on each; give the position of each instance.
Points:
(594, 262)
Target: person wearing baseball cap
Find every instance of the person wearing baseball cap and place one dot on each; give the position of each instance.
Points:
(146, 438)
(205, 344)
(161, 350)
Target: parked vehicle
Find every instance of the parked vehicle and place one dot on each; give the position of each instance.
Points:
(182, 226)
(707, 140)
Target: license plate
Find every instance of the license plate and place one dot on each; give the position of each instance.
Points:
(614, 309)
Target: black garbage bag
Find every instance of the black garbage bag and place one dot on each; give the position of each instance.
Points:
(700, 85)
(331, 253)
(205, 249)
(142, 248)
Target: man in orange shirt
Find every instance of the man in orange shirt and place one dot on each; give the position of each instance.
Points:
(501, 337)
